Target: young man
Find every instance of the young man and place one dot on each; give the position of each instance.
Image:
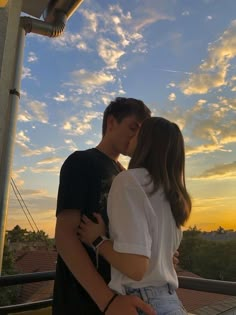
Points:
(85, 181)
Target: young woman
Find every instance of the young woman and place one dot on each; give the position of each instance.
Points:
(147, 205)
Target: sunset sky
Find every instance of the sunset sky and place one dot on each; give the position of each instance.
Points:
(177, 56)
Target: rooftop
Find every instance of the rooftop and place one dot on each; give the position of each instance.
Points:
(196, 302)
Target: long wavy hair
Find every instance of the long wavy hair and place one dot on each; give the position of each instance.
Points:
(160, 150)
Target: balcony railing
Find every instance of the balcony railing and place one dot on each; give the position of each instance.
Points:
(197, 284)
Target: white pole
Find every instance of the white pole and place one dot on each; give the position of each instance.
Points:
(8, 135)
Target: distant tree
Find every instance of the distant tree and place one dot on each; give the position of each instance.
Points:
(37, 236)
(220, 230)
(192, 232)
(17, 234)
(8, 295)
(188, 247)
(209, 259)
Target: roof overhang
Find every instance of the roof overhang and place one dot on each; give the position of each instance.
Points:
(34, 7)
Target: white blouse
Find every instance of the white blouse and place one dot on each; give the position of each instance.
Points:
(143, 224)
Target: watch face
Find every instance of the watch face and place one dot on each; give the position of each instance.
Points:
(98, 240)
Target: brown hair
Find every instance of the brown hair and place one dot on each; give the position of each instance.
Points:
(160, 149)
(123, 107)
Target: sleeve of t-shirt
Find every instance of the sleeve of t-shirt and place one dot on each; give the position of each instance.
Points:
(128, 207)
(74, 181)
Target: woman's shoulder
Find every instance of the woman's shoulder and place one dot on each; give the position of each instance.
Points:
(135, 176)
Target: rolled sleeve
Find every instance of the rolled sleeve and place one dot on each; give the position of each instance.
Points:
(128, 216)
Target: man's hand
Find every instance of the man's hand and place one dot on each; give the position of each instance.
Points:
(127, 304)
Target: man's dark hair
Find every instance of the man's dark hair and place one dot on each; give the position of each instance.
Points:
(123, 107)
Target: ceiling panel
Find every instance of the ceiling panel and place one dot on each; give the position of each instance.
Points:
(34, 7)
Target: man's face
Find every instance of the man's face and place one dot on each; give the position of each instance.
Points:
(121, 134)
(132, 144)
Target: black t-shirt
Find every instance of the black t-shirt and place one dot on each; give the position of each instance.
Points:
(85, 181)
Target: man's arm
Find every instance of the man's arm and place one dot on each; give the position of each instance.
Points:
(76, 258)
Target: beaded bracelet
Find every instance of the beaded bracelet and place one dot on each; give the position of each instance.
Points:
(109, 303)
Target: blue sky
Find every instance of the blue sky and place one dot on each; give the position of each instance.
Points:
(177, 56)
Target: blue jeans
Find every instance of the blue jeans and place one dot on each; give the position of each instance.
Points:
(163, 299)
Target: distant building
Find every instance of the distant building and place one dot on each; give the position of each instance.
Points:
(35, 261)
(195, 302)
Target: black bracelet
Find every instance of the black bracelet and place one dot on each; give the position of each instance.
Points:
(109, 303)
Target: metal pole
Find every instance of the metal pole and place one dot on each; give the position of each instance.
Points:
(59, 12)
(9, 138)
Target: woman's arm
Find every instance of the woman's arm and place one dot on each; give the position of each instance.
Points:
(132, 265)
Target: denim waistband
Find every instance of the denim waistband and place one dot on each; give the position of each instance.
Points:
(152, 291)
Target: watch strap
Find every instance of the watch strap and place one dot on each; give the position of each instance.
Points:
(98, 241)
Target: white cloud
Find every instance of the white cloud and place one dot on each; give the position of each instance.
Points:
(26, 73)
(82, 46)
(185, 13)
(198, 106)
(39, 111)
(21, 137)
(75, 127)
(60, 97)
(209, 17)
(50, 160)
(171, 84)
(203, 149)
(45, 169)
(80, 126)
(70, 40)
(87, 104)
(212, 72)
(24, 116)
(33, 152)
(32, 57)
(221, 171)
(16, 175)
(92, 18)
(109, 52)
(151, 16)
(90, 142)
(172, 97)
(230, 103)
(89, 81)
(22, 141)
(201, 83)
(71, 145)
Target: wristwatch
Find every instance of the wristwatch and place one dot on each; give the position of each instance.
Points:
(98, 241)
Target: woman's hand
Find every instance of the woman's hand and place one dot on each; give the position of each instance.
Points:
(88, 231)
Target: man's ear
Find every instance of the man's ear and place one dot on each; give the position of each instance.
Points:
(110, 122)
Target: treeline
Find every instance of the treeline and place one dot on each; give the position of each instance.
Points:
(8, 295)
(208, 259)
(17, 234)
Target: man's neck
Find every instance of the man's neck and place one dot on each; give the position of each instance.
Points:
(107, 150)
